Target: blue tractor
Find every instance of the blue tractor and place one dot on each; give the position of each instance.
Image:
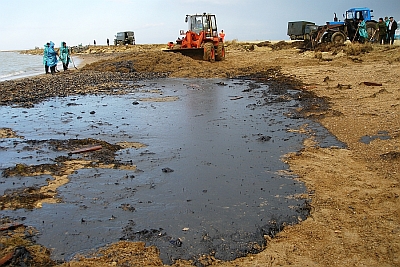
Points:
(338, 32)
(352, 17)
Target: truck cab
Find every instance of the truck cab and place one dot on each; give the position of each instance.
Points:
(124, 38)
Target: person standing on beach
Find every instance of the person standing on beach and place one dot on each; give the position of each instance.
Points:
(46, 67)
(381, 28)
(64, 55)
(387, 21)
(94, 42)
(108, 42)
(362, 31)
(392, 30)
(52, 58)
(222, 35)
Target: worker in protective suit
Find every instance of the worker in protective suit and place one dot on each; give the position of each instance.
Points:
(46, 67)
(64, 55)
(362, 31)
(52, 58)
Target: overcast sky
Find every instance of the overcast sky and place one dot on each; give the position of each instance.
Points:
(26, 24)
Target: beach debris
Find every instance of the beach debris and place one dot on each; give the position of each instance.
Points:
(177, 242)
(167, 170)
(371, 84)
(86, 149)
(343, 86)
(19, 257)
(236, 97)
(391, 155)
(221, 84)
(6, 258)
(10, 226)
(264, 138)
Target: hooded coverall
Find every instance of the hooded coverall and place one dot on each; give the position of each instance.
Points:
(64, 55)
(46, 67)
(52, 58)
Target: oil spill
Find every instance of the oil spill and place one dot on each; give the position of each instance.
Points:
(220, 140)
(382, 135)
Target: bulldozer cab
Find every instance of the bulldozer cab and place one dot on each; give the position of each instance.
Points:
(204, 22)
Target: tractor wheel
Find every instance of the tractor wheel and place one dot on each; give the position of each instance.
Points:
(338, 38)
(372, 32)
(220, 52)
(326, 38)
(209, 52)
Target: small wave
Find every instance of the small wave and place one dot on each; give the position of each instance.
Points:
(15, 73)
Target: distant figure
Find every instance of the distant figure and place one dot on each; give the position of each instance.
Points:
(108, 42)
(392, 30)
(94, 42)
(222, 35)
(64, 55)
(335, 18)
(381, 28)
(52, 58)
(362, 31)
(387, 21)
(46, 66)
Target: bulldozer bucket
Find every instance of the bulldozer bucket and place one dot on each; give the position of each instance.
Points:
(195, 53)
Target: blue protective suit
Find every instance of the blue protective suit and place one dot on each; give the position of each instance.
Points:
(51, 55)
(362, 29)
(45, 49)
(64, 54)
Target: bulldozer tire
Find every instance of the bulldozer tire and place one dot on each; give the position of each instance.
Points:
(209, 52)
(338, 38)
(220, 55)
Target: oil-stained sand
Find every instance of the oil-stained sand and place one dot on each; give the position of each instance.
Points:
(363, 177)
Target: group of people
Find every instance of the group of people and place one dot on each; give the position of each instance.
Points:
(50, 57)
(386, 30)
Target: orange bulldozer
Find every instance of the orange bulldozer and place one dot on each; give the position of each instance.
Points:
(201, 41)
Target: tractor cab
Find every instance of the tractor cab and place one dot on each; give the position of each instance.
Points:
(355, 14)
(352, 18)
(204, 22)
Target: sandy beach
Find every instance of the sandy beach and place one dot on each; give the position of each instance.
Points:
(354, 210)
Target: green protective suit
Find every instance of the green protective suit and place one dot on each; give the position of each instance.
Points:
(64, 54)
(362, 29)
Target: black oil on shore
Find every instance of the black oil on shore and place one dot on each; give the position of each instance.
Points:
(209, 178)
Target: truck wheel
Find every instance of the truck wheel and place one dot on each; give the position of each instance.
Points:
(220, 52)
(338, 38)
(372, 32)
(209, 52)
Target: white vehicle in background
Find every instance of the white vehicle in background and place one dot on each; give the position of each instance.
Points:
(397, 35)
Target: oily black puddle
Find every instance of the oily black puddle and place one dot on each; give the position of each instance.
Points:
(382, 135)
(221, 140)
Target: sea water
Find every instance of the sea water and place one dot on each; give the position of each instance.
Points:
(14, 65)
